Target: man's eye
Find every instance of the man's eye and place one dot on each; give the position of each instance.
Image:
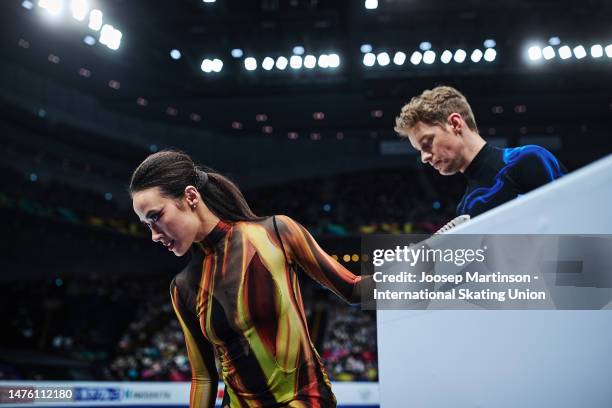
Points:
(154, 217)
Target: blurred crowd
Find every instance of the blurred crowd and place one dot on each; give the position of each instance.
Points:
(384, 201)
(89, 298)
(349, 346)
(109, 329)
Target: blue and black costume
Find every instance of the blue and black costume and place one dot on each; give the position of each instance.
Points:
(496, 176)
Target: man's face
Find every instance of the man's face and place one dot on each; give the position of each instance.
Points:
(440, 146)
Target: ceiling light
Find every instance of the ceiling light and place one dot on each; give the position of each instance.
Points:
(429, 57)
(250, 64)
(446, 57)
(399, 58)
(369, 59)
(267, 63)
(416, 58)
(383, 59)
(460, 56)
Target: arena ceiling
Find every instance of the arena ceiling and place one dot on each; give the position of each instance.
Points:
(140, 78)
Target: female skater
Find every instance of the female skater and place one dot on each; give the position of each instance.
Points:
(239, 297)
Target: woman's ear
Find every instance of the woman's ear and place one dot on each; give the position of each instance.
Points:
(192, 196)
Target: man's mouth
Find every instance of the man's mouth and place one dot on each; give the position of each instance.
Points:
(169, 245)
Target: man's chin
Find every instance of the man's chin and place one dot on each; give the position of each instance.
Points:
(447, 172)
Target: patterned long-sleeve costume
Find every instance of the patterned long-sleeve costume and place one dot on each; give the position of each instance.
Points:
(239, 299)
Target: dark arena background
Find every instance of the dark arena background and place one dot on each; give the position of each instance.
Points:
(295, 101)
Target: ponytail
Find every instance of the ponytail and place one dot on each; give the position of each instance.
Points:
(172, 170)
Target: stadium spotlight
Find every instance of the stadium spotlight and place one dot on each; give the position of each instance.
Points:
(425, 45)
(54, 7)
(110, 37)
(369, 59)
(206, 65)
(371, 4)
(565, 52)
(460, 56)
(415, 58)
(609, 50)
(95, 20)
(298, 50)
(323, 61)
(446, 57)
(334, 60)
(365, 48)
(79, 9)
(554, 41)
(267, 63)
(476, 55)
(310, 61)
(295, 62)
(548, 52)
(597, 51)
(489, 43)
(399, 58)
(429, 57)
(209, 1)
(89, 40)
(490, 54)
(535, 53)
(217, 65)
(250, 64)
(580, 52)
(27, 4)
(383, 59)
(175, 54)
(281, 63)
(237, 53)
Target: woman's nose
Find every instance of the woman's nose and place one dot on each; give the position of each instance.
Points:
(155, 234)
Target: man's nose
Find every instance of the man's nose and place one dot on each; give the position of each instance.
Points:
(425, 157)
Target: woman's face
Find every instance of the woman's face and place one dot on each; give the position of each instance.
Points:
(172, 222)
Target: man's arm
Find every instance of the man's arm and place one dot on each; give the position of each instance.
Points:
(532, 166)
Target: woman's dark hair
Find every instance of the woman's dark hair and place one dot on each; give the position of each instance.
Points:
(173, 170)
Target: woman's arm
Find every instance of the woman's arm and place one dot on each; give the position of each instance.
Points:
(204, 377)
(304, 250)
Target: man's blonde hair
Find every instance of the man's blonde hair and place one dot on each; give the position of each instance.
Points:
(433, 107)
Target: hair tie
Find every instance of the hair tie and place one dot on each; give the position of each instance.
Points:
(202, 178)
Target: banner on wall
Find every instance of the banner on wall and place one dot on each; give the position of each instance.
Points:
(159, 394)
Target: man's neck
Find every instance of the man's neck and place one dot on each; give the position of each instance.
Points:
(473, 144)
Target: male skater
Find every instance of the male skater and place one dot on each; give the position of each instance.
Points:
(440, 124)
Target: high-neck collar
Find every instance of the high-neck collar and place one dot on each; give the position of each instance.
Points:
(214, 236)
(478, 162)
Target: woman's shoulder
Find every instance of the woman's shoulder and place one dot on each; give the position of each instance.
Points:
(266, 222)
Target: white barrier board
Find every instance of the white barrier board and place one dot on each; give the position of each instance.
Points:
(509, 359)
